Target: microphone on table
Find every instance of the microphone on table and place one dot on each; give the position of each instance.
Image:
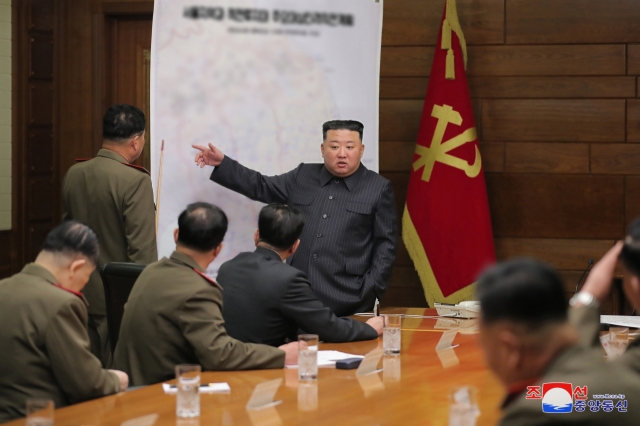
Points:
(586, 271)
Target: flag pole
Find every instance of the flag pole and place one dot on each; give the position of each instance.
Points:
(159, 185)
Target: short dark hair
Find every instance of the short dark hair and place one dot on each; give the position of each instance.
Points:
(202, 226)
(122, 122)
(354, 126)
(522, 290)
(630, 254)
(72, 238)
(280, 225)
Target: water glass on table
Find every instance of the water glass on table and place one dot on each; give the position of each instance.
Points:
(188, 397)
(618, 342)
(307, 357)
(391, 334)
(40, 412)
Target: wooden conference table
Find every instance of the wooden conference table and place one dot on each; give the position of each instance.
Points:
(412, 389)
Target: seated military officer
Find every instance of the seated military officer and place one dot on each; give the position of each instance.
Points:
(533, 349)
(267, 301)
(43, 338)
(585, 313)
(174, 313)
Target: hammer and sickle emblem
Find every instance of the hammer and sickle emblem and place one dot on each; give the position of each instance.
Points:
(439, 151)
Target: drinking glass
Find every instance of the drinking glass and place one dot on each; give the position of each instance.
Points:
(391, 334)
(40, 412)
(307, 357)
(619, 340)
(188, 397)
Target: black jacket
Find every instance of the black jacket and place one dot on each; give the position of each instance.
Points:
(266, 301)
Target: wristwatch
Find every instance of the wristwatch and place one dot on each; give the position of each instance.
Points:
(584, 298)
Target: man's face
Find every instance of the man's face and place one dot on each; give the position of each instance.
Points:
(342, 151)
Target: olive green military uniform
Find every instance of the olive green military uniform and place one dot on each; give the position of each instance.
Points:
(587, 320)
(580, 367)
(116, 200)
(174, 316)
(44, 346)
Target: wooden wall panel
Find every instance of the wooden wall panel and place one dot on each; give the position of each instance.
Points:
(400, 119)
(34, 174)
(588, 120)
(617, 159)
(492, 156)
(536, 157)
(5, 254)
(572, 21)
(406, 289)
(396, 156)
(42, 13)
(564, 254)
(552, 87)
(415, 22)
(547, 60)
(518, 87)
(556, 206)
(631, 198)
(40, 151)
(406, 61)
(563, 60)
(633, 120)
(633, 58)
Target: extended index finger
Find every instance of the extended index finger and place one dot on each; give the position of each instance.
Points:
(200, 147)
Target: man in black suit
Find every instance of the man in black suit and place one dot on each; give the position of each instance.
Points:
(267, 301)
(348, 245)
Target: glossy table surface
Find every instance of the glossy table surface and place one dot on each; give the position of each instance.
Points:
(412, 389)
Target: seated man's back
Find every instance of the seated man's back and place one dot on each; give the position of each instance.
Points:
(268, 301)
(174, 312)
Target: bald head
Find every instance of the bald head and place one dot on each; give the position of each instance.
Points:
(201, 227)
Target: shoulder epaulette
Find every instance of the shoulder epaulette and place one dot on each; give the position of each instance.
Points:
(80, 160)
(209, 280)
(140, 168)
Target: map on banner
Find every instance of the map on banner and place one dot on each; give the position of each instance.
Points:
(255, 78)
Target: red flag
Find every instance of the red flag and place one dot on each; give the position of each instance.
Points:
(446, 224)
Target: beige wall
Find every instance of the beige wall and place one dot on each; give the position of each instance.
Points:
(5, 114)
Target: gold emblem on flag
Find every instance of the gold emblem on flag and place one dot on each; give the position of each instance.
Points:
(439, 151)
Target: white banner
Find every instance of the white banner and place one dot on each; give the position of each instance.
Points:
(256, 78)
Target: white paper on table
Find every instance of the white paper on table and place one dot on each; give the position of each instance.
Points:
(329, 358)
(210, 388)
(620, 320)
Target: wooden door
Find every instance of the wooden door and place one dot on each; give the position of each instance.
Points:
(128, 67)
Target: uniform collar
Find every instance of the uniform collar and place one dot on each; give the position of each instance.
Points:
(39, 271)
(42, 272)
(188, 261)
(112, 155)
(185, 259)
(268, 253)
(350, 181)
